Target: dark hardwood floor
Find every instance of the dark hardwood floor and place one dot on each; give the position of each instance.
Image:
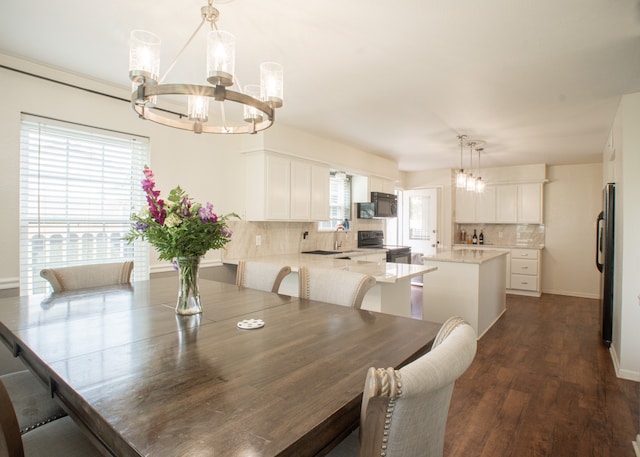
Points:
(542, 384)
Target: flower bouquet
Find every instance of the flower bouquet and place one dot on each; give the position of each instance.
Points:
(182, 231)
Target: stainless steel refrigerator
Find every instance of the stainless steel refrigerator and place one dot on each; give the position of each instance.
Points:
(605, 259)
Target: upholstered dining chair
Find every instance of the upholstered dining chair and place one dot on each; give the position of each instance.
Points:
(86, 276)
(404, 412)
(60, 437)
(340, 287)
(261, 275)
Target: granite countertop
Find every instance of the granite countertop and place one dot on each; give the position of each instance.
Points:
(499, 246)
(384, 272)
(477, 256)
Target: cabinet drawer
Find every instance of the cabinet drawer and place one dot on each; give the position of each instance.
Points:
(524, 266)
(524, 253)
(524, 282)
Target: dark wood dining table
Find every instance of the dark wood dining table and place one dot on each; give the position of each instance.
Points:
(143, 381)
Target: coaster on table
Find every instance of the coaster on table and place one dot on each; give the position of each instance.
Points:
(250, 324)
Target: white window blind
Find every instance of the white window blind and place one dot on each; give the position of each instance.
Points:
(339, 201)
(78, 187)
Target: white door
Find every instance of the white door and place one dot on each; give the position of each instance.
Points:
(420, 224)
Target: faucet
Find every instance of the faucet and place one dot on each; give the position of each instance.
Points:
(338, 244)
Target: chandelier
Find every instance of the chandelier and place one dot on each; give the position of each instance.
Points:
(258, 102)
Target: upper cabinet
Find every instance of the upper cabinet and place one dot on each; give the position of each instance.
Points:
(362, 186)
(283, 188)
(501, 204)
(472, 207)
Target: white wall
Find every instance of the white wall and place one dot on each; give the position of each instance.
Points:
(572, 201)
(624, 150)
(208, 167)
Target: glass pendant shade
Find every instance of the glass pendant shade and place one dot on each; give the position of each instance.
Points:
(144, 55)
(272, 83)
(461, 179)
(198, 108)
(221, 58)
(480, 185)
(471, 183)
(252, 114)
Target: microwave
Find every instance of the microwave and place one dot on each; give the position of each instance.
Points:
(381, 205)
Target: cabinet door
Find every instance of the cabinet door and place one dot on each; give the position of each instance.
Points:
(465, 206)
(530, 203)
(320, 192)
(278, 177)
(486, 205)
(381, 185)
(507, 204)
(300, 190)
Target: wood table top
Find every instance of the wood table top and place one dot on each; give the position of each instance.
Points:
(144, 381)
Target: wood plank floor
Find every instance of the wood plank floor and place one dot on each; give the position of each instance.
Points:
(542, 384)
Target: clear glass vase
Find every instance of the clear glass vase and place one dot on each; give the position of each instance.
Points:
(188, 293)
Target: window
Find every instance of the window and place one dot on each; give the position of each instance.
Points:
(78, 187)
(339, 201)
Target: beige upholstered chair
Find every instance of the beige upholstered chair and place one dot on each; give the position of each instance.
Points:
(31, 401)
(86, 276)
(340, 287)
(60, 437)
(404, 412)
(261, 275)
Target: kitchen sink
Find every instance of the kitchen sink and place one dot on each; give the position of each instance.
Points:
(321, 252)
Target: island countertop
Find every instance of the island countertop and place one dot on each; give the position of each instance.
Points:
(477, 256)
(383, 272)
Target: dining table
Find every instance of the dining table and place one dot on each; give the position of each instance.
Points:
(141, 380)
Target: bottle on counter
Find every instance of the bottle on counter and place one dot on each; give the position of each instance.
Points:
(481, 238)
(474, 239)
(463, 236)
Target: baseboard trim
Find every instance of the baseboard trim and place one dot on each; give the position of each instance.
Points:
(622, 374)
(570, 293)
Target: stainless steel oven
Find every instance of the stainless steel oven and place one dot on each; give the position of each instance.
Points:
(374, 239)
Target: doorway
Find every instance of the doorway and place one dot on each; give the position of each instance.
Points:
(420, 228)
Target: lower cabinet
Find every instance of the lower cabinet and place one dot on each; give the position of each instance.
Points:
(523, 269)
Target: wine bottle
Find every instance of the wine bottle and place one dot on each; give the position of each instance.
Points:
(474, 240)
(481, 238)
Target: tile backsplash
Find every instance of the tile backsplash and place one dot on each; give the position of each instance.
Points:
(524, 235)
(289, 237)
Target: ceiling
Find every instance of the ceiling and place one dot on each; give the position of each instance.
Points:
(539, 81)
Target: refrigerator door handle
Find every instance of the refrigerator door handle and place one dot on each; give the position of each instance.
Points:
(599, 240)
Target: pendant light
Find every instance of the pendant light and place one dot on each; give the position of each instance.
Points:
(480, 184)
(471, 180)
(461, 176)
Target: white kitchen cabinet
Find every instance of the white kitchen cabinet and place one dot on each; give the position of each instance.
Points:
(472, 207)
(486, 205)
(465, 206)
(319, 192)
(530, 203)
(507, 204)
(525, 271)
(362, 186)
(519, 203)
(282, 188)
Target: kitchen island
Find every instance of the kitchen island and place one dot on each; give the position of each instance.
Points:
(468, 283)
(390, 295)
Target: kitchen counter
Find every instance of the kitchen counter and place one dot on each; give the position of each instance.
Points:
(390, 295)
(498, 246)
(477, 256)
(385, 272)
(470, 283)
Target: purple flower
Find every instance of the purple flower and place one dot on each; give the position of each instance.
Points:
(206, 213)
(226, 232)
(141, 226)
